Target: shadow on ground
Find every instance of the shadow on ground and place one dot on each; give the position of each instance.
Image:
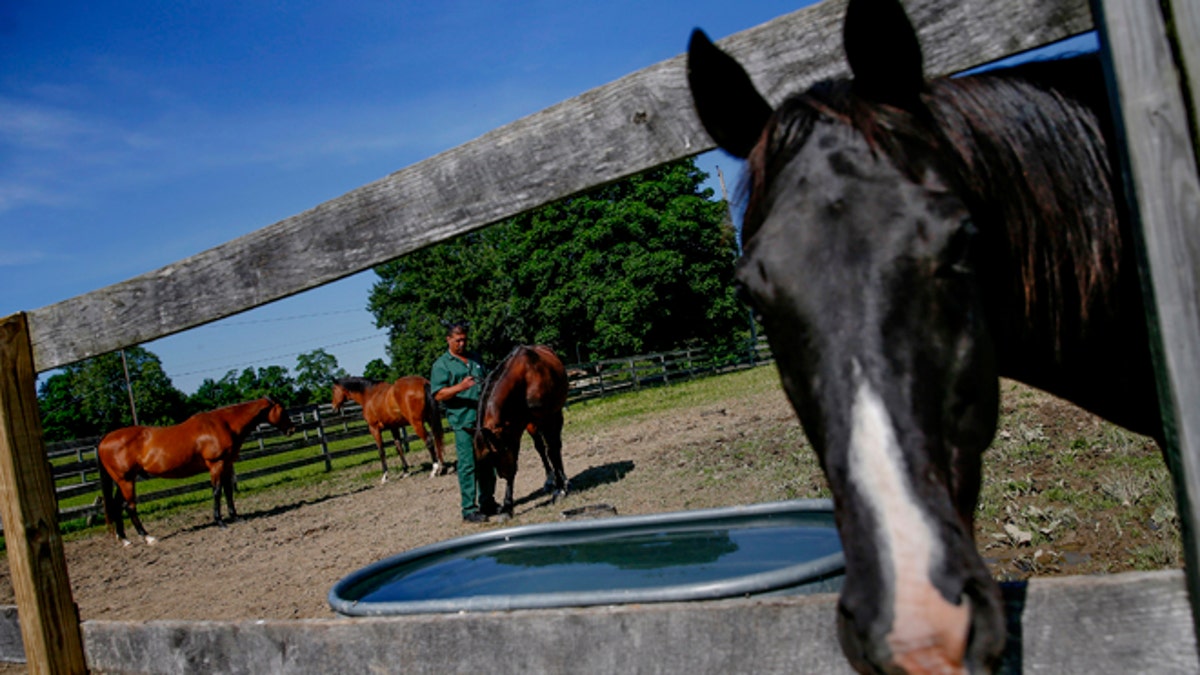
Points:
(583, 481)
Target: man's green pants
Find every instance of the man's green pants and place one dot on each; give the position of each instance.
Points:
(477, 489)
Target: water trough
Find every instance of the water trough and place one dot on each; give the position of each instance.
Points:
(777, 548)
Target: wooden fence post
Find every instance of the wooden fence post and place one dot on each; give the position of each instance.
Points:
(47, 613)
(324, 441)
(1151, 54)
(79, 458)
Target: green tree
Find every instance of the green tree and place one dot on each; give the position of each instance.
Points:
(378, 370)
(61, 417)
(91, 398)
(643, 264)
(272, 381)
(315, 373)
(212, 394)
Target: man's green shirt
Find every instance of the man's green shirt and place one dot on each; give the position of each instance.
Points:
(449, 370)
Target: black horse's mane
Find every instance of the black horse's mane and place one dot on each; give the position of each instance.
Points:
(494, 375)
(1023, 145)
(358, 385)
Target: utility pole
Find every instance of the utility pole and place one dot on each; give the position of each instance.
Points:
(129, 388)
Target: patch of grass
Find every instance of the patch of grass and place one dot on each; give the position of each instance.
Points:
(1155, 556)
(587, 416)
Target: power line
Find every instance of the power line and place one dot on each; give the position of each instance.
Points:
(243, 353)
(294, 317)
(273, 358)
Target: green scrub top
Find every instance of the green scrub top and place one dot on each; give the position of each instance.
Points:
(449, 370)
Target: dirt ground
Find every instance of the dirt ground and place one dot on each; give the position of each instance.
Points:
(1050, 507)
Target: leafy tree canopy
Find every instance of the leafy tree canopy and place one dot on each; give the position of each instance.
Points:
(316, 371)
(90, 398)
(640, 265)
(378, 370)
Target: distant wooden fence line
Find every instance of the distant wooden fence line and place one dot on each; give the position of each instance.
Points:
(318, 426)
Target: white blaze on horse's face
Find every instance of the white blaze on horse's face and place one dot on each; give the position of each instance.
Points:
(907, 541)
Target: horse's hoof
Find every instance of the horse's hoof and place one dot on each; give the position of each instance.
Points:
(502, 517)
(383, 480)
(150, 541)
(126, 543)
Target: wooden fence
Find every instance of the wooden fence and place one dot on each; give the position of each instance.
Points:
(1152, 50)
(76, 474)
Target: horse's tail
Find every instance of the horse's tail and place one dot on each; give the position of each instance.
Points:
(107, 492)
(433, 414)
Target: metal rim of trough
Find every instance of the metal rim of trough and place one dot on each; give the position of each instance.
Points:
(763, 583)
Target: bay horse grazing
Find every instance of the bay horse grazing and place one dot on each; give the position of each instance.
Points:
(207, 441)
(393, 406)
(907, 242)
(525, 393)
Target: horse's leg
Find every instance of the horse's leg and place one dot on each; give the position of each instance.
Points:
(228, 477)
(552, 431)
(114, 505)
(505, 464)
(117, 511)
(539, 444)
(434, 417)
(129, 496)
(215, 472)
(423, 434)
(400, 438)
(377, 434)
(508, 495)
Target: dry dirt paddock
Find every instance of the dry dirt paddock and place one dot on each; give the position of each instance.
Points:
(292, 544)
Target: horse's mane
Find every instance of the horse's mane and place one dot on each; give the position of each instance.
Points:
(495, 374)
(1025, 148)
(358, 385)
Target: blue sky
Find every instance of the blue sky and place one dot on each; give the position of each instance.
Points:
(133, 135)
(136, 134)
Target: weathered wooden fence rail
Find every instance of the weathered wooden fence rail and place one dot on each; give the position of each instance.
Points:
(1067, 625)
(633, 124)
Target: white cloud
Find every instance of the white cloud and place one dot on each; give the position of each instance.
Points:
(10, 258)
(32, 126)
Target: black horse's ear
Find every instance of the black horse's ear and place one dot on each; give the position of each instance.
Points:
(731, 109)
(884, 53)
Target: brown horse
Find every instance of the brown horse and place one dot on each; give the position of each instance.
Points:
(391, 406)
(207, 441)
(526, 392)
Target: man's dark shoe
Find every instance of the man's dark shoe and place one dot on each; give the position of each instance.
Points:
(475, 518)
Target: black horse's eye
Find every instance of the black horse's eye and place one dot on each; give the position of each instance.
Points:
(956, 257)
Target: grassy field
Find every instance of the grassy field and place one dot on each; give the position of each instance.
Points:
(1063, 493)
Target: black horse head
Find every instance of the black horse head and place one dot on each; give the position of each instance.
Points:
(906, 242)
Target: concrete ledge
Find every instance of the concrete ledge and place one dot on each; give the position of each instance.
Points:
(1125, 623)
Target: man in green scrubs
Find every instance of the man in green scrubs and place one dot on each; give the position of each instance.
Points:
(457, 381)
